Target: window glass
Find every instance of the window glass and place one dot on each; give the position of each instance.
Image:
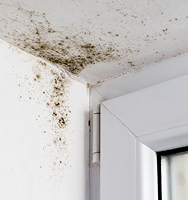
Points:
(173, 180)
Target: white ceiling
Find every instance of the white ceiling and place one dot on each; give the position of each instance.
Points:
(97, 40)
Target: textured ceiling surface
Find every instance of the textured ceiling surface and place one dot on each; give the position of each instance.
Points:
(97, 40)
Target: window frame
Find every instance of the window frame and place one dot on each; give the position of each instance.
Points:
(158, 73)
(175, 134)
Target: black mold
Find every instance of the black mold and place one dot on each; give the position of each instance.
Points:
(69, 51)
(60, 54)
(131, 63)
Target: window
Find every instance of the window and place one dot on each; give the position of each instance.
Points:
(147, 119)
(173, 174)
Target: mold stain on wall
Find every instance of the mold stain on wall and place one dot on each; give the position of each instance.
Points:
(43, 134)
(43, 90)
(55, 91)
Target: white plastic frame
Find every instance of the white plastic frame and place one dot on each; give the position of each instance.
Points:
(133, 128)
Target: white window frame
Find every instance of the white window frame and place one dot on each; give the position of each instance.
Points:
(167, 136)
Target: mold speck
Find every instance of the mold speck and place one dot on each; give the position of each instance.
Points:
(38, 76)
(131, 63)
(61, 122)
(42, 63)
(57, 104)
(54, 114)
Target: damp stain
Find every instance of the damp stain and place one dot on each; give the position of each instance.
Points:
(55, 100)
(90, 39)
(64, 55)
(67, 50)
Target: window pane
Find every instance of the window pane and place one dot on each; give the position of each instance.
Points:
(174, 176)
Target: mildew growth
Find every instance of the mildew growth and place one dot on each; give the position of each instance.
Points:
(40, 98)
(104, 32)
(62, 48)
(70, 55)
(54, 99)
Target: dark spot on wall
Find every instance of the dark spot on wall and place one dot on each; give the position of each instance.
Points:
(88, 46)
(42, 63)
(54, 114)
(61, 122)
(38, 76)
(57, 104)
(57, 88)
(131, 63)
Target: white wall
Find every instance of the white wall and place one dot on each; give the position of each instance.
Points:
(43, 130)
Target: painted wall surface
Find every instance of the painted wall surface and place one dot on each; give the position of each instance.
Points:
(44, 131)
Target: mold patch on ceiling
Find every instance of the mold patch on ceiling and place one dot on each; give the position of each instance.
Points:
(78, 36)
(62, 48)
